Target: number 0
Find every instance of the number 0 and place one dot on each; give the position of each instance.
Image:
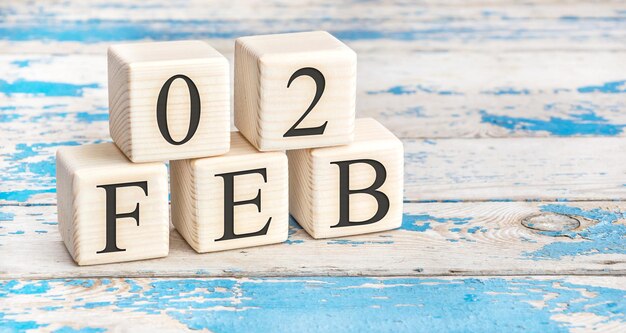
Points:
(161, 111)
(320, 84)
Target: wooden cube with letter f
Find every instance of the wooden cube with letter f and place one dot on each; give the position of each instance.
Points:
(231, 201)
(351, 189)
(110, 209)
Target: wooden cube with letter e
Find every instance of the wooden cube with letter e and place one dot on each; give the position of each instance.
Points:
(351, 189)
(110, 209)
(294, 90)
(168, 100)
(231, 201)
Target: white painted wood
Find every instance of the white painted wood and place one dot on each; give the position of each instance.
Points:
(442, 170)
(82, 205)
(315, 181)
(274, 88)
(432, 25)
(137, 77)
(486, 238)
(472, 96)
(515, 169)
(200, 205)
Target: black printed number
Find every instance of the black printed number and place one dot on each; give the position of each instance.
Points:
(161, 111)
(320, 84)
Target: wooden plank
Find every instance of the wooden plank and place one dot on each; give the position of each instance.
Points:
(491, 304)
(435, 170)
(494, 94)
(515, 169)
(435, 239)
(435, 25)
(449, 95)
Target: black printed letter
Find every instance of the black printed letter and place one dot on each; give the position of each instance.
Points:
(230, 203)
(345, 191)
(112, 215)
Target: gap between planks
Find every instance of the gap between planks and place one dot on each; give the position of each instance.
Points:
(277, 276)
(406, 201)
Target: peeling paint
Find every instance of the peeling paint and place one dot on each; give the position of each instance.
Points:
(422, 222)
(87, 117)
(21, 63)
(580, 125)
(43, 88)
(351, 304)
(506, 91)
(613, 87)
(67, 329)
(412, 90)
(21, 166)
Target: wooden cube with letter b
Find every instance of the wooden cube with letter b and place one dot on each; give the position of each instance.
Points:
(294, 90)
(169, 100)
(351, 189)
(235, 200)
(110, 209)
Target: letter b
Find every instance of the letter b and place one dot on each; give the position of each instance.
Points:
(345, 191)
(351, 189)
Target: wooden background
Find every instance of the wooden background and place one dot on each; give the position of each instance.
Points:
(512, 116)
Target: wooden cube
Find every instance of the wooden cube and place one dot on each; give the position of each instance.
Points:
(109, 209)
(168, 100)
(351, 189)
(231, 201)
(295, 90)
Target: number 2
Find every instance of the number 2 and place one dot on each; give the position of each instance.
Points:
(320, 84)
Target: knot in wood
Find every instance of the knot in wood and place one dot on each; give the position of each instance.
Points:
(550, 222)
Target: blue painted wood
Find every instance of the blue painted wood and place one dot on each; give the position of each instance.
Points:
(321, 304)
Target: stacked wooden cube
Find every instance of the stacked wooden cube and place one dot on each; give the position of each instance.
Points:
(299, 151)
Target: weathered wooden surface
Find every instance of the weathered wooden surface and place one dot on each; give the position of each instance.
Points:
(512, 118)
(435, 239)
(320, 304)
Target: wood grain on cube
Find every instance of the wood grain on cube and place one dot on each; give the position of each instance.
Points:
(315, 189)
(83, 174)
(139, 75)
(278, 78)
(200, 202)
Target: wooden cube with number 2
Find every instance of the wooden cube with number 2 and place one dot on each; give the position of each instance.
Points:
(295, 90)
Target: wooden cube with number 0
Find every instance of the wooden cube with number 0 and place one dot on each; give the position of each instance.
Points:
(295, 90)
(231, 201)
(110, 209)
(169, 100)
(351, 189)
